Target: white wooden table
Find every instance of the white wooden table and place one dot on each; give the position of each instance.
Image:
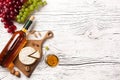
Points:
(86, 40)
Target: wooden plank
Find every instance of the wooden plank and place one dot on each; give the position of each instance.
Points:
(86, 40)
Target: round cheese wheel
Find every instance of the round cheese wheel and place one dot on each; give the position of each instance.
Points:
(28, 55)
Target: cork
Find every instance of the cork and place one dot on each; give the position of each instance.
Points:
(32, 18)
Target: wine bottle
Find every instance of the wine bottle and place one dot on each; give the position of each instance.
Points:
(14, 45)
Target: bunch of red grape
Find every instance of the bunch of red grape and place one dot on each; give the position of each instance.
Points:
(11, 10)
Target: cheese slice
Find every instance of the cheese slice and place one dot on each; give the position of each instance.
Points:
(28, 55)
(36, 54)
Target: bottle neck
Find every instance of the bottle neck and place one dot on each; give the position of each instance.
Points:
(27, 25)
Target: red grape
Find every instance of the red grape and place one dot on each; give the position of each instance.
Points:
(6, 26)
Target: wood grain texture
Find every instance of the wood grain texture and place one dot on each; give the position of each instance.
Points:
(86, 40)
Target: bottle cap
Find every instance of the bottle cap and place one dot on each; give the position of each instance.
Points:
(52, 60)
(32, 18)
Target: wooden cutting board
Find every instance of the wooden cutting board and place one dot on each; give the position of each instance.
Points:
(37, 45)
